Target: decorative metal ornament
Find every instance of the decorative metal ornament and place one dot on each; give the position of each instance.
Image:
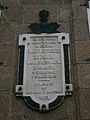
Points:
(44, 65)
(44, 26)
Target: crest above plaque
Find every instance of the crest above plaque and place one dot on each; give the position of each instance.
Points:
(44, 68)
(44, 26)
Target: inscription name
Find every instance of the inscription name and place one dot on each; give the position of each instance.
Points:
(44, 67)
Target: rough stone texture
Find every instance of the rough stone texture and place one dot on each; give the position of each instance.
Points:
(4, 1)
(64, 27)
(7, 54)
(16, 116)
(41, 2)
(6, 78)
(14, 13)
(21, 29)
(82, 49)
(35, 1)
(79, 12)
(7, 33)
(81, 30)
(84, 97)
(83, 75)
(5, 105)
(80, 20)
(64, 14)
(17, 105)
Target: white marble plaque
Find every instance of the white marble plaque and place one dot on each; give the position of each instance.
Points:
(44, 77)
(44, 65)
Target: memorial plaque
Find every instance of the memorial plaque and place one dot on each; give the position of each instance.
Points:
(44, 68)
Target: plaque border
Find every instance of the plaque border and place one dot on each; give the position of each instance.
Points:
(25, 39)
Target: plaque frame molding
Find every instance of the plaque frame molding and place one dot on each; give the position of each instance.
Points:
(64, 37)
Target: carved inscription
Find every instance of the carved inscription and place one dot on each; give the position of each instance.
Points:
(44, 74)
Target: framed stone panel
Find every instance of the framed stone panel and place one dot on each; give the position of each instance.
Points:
(42, 72)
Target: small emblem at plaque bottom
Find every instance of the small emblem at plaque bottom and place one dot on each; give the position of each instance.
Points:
(44, 107)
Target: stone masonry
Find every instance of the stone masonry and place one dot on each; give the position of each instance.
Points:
(72, 19)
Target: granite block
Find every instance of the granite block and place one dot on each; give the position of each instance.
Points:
(82, 51)
(7, 33)
(79, 12)
(5, 105)
(84, 97)
(6, 78)
(81, 30)
(83, 75)
(12, 15)
(7, 55)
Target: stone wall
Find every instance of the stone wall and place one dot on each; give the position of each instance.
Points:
(72, 19)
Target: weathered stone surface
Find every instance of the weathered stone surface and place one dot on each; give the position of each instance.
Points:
(22, 29)
(7, 54)
(43, 2)
(64, 13)
(82, 49)
(84, 97)
(6, 78)
(81, 30)
(16, 116)
(83, 75)
(5, 105)
(4, 1)
(64, 27)
(13, 14)
(17, 104)
(7, 33)
(34, 2)
(31, 13)
(79, 12)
